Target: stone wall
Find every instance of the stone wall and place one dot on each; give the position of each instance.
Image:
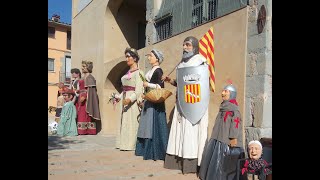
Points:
(151, 11)
(258, 79)
(258, 94)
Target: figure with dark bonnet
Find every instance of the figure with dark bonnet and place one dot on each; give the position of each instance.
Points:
(67, 125)
(88, 101)
(132, 88)
(187, 136)
(153, 130)
(74, 85)
(224, 148)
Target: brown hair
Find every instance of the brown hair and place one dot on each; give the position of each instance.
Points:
(89, 65)
(133, 52)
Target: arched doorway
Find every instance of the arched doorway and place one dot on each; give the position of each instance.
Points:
(113, 80)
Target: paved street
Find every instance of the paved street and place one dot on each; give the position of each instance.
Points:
(95, 158)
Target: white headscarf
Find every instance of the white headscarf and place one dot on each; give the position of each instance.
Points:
(158, 54)
(255, 142)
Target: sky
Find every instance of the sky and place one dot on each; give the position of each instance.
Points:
(62, 8)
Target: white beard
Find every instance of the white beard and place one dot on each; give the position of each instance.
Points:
(187, 55)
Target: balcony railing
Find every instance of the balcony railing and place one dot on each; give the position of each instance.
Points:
(65, 77)
(202, 11)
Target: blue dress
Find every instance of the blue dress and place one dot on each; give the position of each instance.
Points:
(67, 124)
(152, 138)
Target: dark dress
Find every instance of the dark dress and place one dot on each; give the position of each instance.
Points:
(219, 161)
(152, 138)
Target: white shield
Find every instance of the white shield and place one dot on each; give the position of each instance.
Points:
(193, 92)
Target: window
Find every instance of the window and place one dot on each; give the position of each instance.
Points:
(212, 13)
(69, 40)
(51, 32)
(50, 65)
(68, 69)
(197, 11)
(65, 74)
(164, 28)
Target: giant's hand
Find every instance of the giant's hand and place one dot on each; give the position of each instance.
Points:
(126, 102)
(233, 142)
(165, 78)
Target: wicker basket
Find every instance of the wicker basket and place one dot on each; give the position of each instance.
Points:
(158, 95)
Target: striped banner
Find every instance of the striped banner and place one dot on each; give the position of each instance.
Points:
(206, 49)
(192, 93)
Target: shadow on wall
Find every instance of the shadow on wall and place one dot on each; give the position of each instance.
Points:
(114, 76)
(130, 17)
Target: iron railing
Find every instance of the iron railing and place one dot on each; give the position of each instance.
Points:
(197, 13)
(164, 28)
(65, 77)
(212, 9)
(187, 14)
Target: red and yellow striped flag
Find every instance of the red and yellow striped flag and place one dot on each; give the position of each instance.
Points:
(206, 49)
(192, 93)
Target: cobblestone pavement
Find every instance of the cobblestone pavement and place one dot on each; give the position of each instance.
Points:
(94, 157)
